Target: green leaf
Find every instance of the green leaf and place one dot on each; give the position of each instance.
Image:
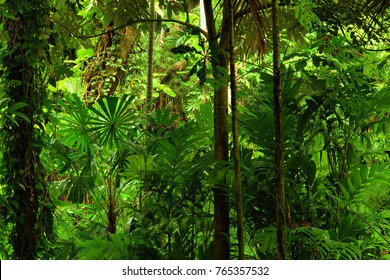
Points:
(202, 74)
(111, 121)
(345, 192)
(183, 49)
(311, 171)
(74, 123)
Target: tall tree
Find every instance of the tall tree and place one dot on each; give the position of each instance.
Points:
(219, 46)
(219, 61)
(236, 148)
(149, 82)
(278, 118)
(26, 27)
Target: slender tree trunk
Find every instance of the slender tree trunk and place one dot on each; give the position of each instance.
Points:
(219, 63)
(149, 82)
(203, 24)
(236, 148)
(111, 213)
(279, 153)
(23, 170)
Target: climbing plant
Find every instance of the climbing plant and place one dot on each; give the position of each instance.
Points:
(28, 30)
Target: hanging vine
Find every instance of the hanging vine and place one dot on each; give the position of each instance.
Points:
(30, 208)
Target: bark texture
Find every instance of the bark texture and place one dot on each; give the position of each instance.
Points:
(279, 142)
(219, 61)
(236, 148)
(149, 82)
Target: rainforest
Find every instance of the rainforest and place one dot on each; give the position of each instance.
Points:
(194, 130)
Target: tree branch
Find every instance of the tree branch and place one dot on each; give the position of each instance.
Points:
(378, 50)
(189, 25)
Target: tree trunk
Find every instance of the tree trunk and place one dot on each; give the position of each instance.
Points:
(219, 63)
(279, 153)
(24, 178)
(236, 148)
(149, 82)
(203, 24)
(104, 72)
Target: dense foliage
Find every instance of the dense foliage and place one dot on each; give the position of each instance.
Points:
(115, 177)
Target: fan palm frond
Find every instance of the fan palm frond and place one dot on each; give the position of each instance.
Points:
(111, 121)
